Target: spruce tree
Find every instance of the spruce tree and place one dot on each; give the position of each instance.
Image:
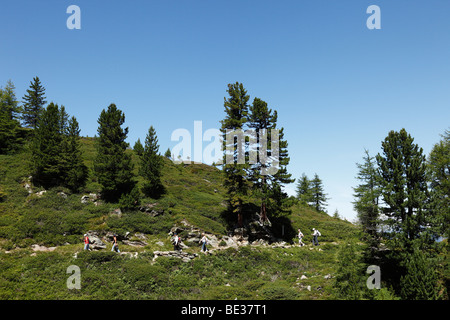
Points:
(9, 124)
(304, 194)
(366, 196)
(138, 147)
(269, 173)
(421, 280)
(404, 189)
(235, 181)
(151, 165)
(439, 173)
(33, 103)
(319, 197)
(47, 148)
(75, 171)
(113, 165)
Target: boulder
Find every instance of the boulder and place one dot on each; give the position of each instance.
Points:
(96, 242)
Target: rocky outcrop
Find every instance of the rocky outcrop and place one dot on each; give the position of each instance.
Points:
(186, 257)
(96, 242)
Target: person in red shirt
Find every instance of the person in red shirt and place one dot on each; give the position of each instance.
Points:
(86, 242)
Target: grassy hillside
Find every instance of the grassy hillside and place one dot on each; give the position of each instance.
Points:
(194, 193)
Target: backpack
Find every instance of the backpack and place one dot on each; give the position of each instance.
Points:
(318, 233)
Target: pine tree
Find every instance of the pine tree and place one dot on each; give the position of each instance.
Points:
(151, 167)
(168, 154)
(113, 164)
(304, 194)
(269, 173)
(33, 103)
(76, 172)
(319, 197)
(420, 281)
(236, 182)
(439, 173)
(138, 147)
(47, 148)
(9, 124)
(366, 196)
(404, 188)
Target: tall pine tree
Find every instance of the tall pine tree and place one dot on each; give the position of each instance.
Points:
(269, 173)
(367, 195)
(236, 182)
(319, 197)
(113, 165)
(304, 194)
(9, 113)
(47, 148)
(404, 189)
(75, 171)
(151, 165)
(33, 103)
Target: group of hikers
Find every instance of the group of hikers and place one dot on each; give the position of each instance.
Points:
(176, 240)
(316, 233)
(87, 242)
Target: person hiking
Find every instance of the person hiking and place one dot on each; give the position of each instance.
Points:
(176, 242)
(300, 237)
(203, 240)
(86, 242)
(115, 246)
(316, 234)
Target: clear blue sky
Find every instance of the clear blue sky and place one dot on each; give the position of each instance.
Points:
(338, 87)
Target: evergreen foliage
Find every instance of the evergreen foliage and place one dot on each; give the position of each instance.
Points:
(235, 173)
(304, 194)
(113, 165)
(56, 153)
(319, 197)
(151, 165)
(9, 119)
(33, 103)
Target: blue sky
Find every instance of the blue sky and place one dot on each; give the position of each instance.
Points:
(338, 87)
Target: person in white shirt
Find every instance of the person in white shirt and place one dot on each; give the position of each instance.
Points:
(316, 234)
(300, 236)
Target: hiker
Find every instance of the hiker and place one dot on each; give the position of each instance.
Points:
(316, 234)
(203, 240)
(176, 242)
(300, 236)
(86, 242)
(115, 246)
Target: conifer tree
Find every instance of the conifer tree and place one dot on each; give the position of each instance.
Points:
(47, 148)
(404, 189)
(76, 172)
(138, 147)
(366, 196)
(33, 103)
(421, 280)
(304, 190)
(269, 173)
(113, 165)
(319, 197)
(439, 173)
(9, 113)
(236, 182)
(151, 165)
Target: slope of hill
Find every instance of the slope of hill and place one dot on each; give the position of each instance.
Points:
(56, 218)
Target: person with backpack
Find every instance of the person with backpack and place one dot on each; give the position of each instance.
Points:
(176, 242)
(203, 240)
(115, 246)
(300, 237)
(316, 234)
(86, 242)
